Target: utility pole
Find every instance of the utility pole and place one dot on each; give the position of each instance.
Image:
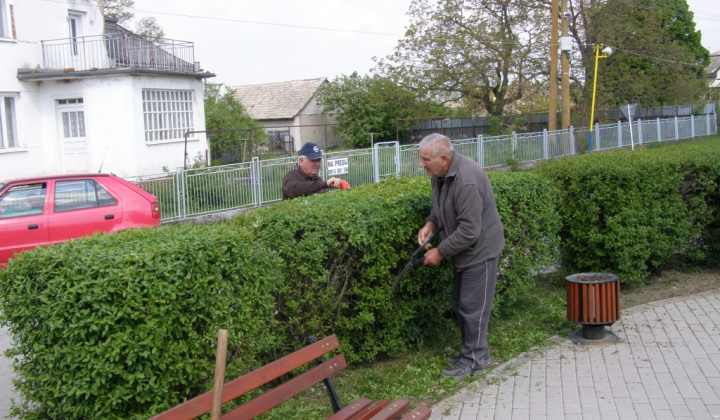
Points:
(565, 67)
(552, 106)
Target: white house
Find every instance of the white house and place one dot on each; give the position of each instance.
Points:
(78, 95)
(289, 113)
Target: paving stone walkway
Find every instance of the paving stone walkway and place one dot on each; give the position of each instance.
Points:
(659, 361)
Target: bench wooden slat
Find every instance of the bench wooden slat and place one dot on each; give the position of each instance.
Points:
(370, 410)
(392, 410)
(418, 413)
(351, 410)
(287, 390)
(237, 387)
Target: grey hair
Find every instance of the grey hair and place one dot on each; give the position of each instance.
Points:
(439, 144)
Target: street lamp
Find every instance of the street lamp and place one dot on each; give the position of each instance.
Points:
(607, 51)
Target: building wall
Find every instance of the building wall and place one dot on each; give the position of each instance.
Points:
(112, 105)
(317, 126)
(34, 21)
(152, 157)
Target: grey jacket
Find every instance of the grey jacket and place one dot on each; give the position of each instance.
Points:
(465, 204)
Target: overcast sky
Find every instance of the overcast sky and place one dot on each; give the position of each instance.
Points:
(249, 42)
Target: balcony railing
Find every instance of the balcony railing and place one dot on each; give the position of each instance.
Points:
(116, 51)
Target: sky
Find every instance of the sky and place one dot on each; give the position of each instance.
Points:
(251, 42)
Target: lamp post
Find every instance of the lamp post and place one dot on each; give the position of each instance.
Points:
(605, 53)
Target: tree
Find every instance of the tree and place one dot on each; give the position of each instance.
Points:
(481, 52)
(117, 9)
(658, 57)
(368, 104)
(223, 112)
(149, 29)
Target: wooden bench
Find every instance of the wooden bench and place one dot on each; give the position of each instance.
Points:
(361, 408)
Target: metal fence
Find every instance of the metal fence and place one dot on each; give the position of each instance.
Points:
(194, 192)
(113, 51)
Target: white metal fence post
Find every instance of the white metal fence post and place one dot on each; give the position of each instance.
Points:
(376, 164)
(597, 137)
(677, 132)
(640, 133)
(545, 143)
(397, 159)
(182, 196)
(514, 143)
(692, 126)
(659, 129)
(481, 151)
(619, 129)
(572, 140)
(255, 179)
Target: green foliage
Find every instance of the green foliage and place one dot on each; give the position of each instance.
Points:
(341, 252)
(636, 212)
(223, 112)
(643, 35)
(342, 263)
(117, 9)
(122, 325)
(468, 51)
(365, 104)
(526, 204)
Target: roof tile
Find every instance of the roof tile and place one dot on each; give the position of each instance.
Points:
(280, 100)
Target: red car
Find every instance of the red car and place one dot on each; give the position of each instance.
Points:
(45, 210)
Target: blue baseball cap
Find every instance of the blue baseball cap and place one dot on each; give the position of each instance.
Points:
(311, 150)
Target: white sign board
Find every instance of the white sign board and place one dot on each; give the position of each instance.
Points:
(337, 166)
(629, 110)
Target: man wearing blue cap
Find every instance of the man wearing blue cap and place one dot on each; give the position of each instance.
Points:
(304, 180)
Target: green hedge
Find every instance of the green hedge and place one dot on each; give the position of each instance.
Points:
(636, 212)
(123, 325)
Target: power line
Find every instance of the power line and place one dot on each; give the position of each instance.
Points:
(660, 58)
(219, 19)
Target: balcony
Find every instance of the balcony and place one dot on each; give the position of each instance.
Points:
(113, 53)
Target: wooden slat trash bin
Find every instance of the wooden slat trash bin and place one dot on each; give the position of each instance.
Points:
(593, 300)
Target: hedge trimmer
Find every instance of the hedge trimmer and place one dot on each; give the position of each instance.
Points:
(416, 259)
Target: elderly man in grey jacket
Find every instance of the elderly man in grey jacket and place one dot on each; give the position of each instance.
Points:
(473, 238)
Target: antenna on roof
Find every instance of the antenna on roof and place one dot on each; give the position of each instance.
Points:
(103, 161)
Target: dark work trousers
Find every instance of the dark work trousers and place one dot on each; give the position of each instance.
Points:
(472, 298)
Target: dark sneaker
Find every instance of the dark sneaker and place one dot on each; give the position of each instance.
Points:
(460, 370)
(454, 359)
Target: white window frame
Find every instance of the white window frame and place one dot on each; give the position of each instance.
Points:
(73, 108)
(6, 24)
(167, 114)
(8, 122)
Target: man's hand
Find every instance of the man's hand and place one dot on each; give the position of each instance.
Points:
(433, 257)
(331, 182)
(425, 233)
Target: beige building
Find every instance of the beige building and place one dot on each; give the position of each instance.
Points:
(289, 113)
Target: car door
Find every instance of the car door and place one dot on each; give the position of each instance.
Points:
(23, 218)
(82, 207)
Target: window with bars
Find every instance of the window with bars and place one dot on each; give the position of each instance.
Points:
(8, 123)
(167, 114)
